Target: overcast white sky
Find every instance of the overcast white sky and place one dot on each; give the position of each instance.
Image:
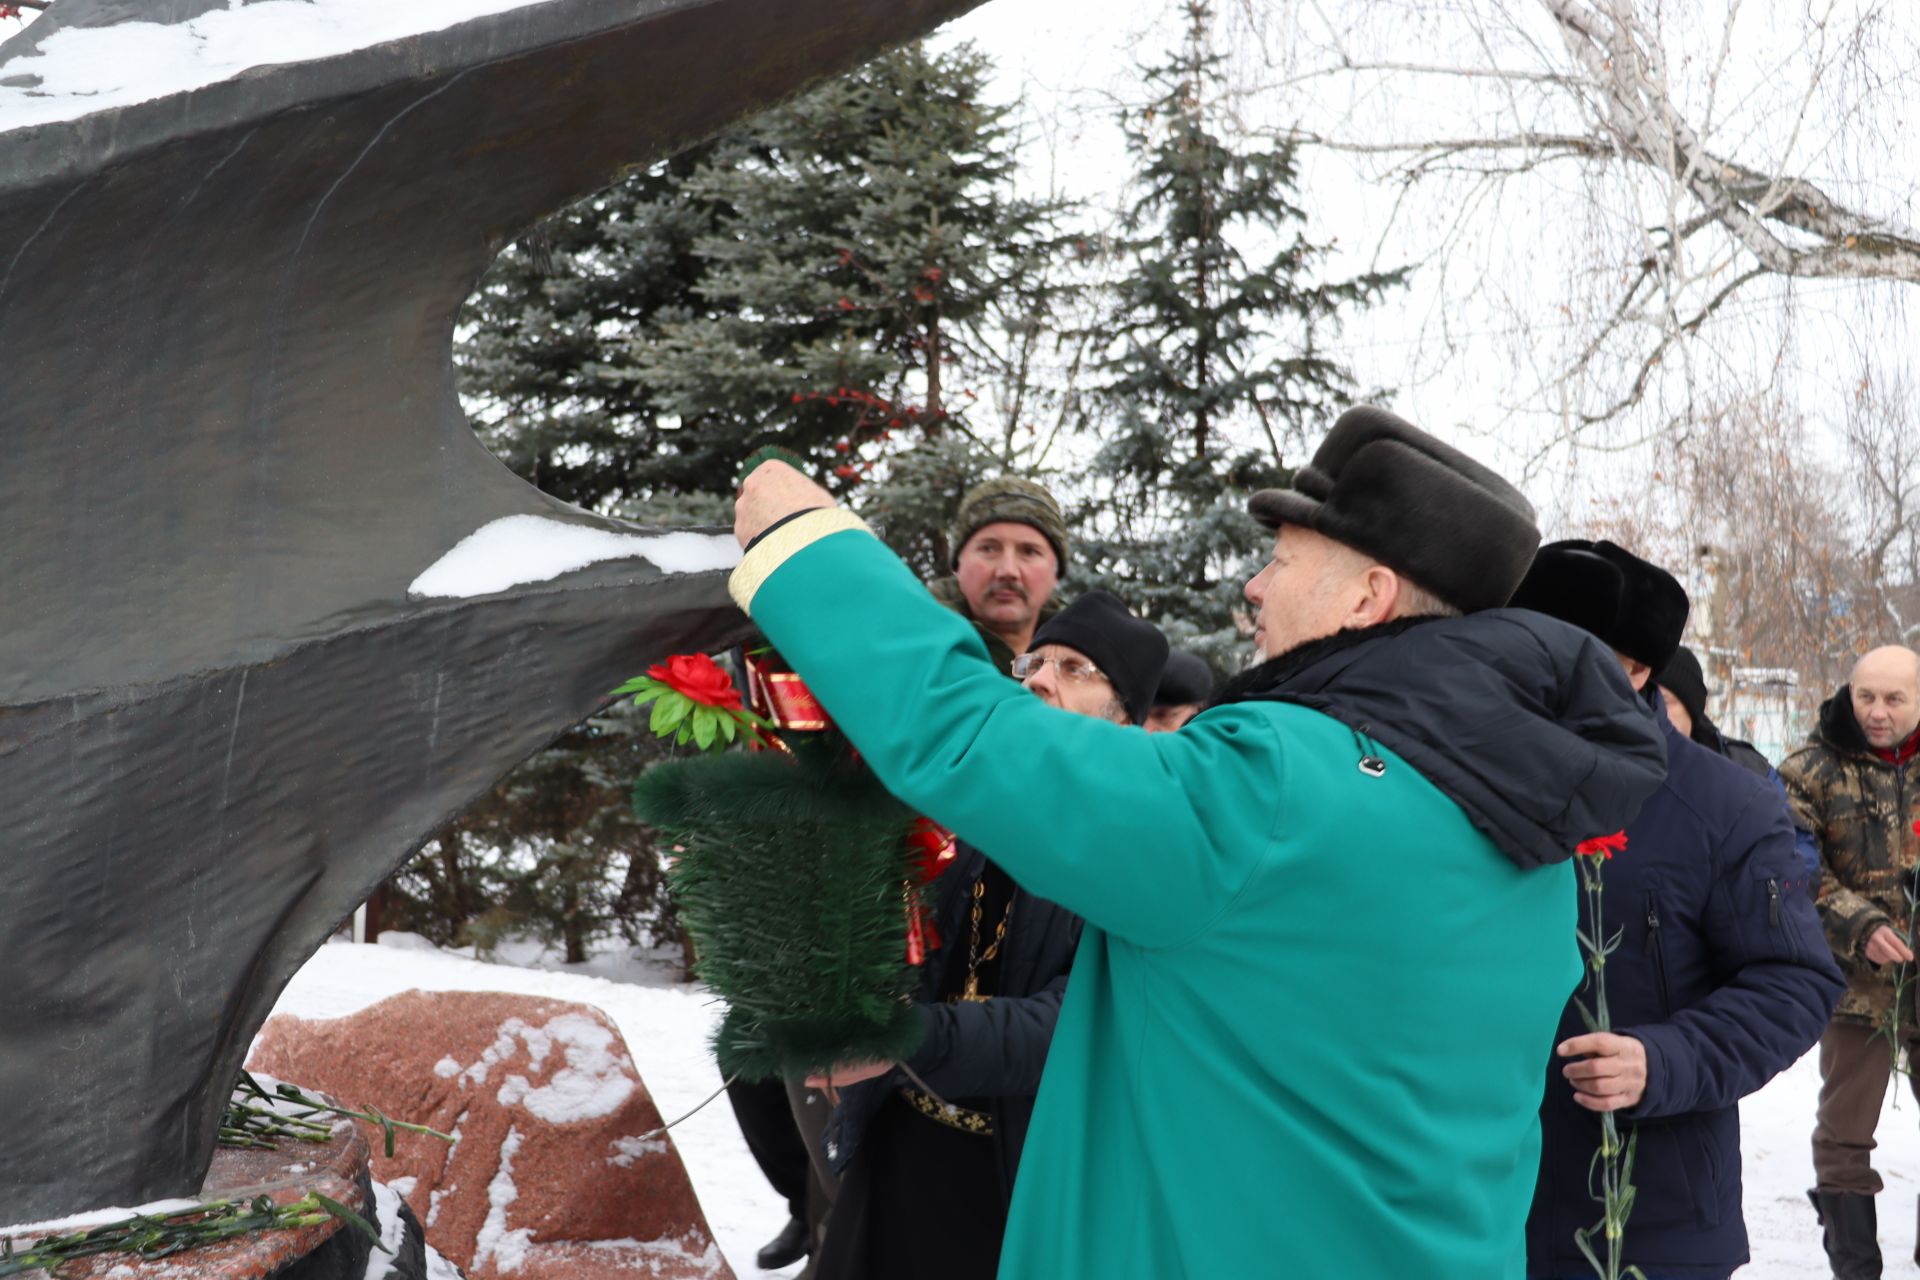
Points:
(1468, 351)
(1469, 354)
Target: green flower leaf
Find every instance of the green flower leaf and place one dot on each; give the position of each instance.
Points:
(351, 1218)
(704, 727)
(668, 713)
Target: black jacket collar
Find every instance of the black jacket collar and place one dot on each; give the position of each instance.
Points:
(1840, 729)
(1525, 722)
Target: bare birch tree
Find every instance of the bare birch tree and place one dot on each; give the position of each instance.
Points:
(1682, 175)
(1794, 559)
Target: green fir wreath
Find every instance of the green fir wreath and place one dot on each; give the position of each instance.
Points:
(793, 874)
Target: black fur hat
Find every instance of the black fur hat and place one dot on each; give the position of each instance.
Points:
(1381, 485)
(1637, 608)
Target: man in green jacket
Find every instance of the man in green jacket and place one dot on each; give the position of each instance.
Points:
(1329, 923)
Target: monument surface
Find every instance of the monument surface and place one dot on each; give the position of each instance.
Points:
(249, 657)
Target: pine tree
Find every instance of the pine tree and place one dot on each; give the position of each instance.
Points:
(849, 275)
(863, 279)
(1212, 369)
(546, 349)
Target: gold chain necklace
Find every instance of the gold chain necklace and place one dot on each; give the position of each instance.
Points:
(975, 958)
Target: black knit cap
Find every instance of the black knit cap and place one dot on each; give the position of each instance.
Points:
(1382, 486)
(1636, 607)
(1187, 680)
(1130, 650)
(1683, 678)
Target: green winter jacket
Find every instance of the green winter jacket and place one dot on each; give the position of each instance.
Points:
(1305, 1029)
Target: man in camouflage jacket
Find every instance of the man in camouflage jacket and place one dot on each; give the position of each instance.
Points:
(1856, 788)
(1009, 553)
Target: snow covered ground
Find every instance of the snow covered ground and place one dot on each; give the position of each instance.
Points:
(666, 1024)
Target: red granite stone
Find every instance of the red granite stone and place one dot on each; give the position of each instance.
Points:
(551, 1177)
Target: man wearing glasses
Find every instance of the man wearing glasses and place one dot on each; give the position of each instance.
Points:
(926, 1151)
(1329, 923)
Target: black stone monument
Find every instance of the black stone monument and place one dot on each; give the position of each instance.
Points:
(229, 445)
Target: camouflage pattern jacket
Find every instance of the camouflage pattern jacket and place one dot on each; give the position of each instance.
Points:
(1861, 811)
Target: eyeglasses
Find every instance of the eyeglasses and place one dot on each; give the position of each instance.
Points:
(1074, 670)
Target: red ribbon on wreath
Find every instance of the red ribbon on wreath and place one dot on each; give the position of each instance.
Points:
(934, 850)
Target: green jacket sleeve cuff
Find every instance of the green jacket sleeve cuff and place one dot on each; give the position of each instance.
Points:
(781, 543)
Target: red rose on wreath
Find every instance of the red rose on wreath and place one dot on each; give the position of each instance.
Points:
(700, 678)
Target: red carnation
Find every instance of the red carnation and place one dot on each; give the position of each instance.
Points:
(698, 677)
(1603, 846)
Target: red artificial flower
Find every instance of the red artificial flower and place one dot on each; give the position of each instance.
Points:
(845, 472)
(1603, 846)
(933, 848)
(700, 678)
(933, 274)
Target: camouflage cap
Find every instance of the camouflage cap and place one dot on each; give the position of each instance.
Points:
(1014, 500)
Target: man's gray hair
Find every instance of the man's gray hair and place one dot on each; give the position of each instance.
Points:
(1417, 601)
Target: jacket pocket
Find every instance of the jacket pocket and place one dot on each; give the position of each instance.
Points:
(1770, 893)
(1674, 1179)
(1655, 947)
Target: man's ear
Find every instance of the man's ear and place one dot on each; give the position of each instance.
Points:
(1379, 597)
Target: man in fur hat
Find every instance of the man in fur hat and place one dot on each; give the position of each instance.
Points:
(1856, 787)
(1302, 910)
(1720, 980)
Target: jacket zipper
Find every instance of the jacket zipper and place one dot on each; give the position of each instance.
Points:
(1773, 903)
(1659, 958)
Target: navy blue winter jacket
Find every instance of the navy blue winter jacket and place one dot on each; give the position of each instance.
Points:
(1724, 975)
(993, 1049)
